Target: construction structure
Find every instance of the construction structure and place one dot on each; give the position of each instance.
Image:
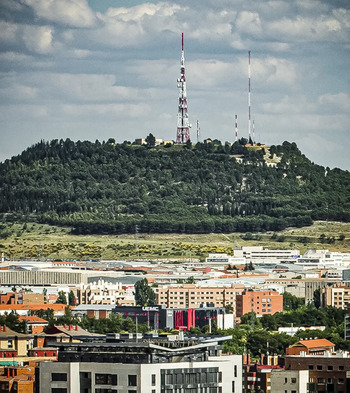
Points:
(183, 124)
(250, 140)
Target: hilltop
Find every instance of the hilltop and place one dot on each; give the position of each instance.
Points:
(109, 188)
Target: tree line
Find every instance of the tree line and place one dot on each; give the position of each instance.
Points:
(202, 188)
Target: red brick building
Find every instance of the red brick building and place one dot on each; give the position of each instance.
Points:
(259, 302)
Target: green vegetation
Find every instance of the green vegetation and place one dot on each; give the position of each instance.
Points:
(254, 335)
(259, 335)
(45, 241)
(109, 188)
(144, 295)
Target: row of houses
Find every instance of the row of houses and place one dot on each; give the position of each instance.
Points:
(69, 359)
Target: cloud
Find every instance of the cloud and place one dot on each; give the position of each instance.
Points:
(74, 13)
(38, 38)
(8, 32)
(336, 102)
(69, 69)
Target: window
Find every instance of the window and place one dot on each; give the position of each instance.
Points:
(330, 368)
(341, 368)
(321, 380)
(340, 380)
(153, 379)
(293, 380)
(233, 386)
(59, 390)
(285, 380)
(106, 379)
(132, 380)
(311, 367)
(319, 367)
(235, 371)
(9, 344)
(58, 377)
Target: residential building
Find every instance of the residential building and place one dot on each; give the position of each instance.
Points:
(193, 296)
(259, 302)
(33, 323)
(21, 298)
(68, 334)
(257, 377)
(289, 381)
(337, 295)
(102, 292)
(327, 373)
(11, 340)
(25, 309)
(17, 379)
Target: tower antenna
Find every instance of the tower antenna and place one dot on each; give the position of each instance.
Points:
(236, 128)
(253, 132)
(198, 131)
(249, 118)
(183, 124)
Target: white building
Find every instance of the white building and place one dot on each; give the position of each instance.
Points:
(265, 255)
(289, 381)
(139, 367)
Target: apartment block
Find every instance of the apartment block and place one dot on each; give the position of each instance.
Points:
(102, 292)
(337, 295)
(289, 381)
(193, 296)
(259, 302)
(327, 373)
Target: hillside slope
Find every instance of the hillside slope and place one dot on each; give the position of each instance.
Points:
(119, 188)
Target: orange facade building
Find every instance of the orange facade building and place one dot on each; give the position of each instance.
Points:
(259, 302)
(193, 296)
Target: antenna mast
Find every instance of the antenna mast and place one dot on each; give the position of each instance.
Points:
(249, 125)
(253, 132)
(183, 125)
(198, 131)
(236, 129)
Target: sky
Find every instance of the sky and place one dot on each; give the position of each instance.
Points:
(100, 69)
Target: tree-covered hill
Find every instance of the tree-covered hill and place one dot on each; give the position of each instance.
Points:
(207, 187)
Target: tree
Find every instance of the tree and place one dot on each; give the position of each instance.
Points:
(62, 299)
(291, 302)
(71, 298)
(144, 295)
(150, 141)
(317, 298)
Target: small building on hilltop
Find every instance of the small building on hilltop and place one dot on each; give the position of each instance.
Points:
(311, 347)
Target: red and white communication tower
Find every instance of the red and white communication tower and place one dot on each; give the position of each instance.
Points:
(183, 124)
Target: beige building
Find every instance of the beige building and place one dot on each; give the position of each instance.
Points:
(102, 292)
(337, 295)
(11, 340)
(192, 296)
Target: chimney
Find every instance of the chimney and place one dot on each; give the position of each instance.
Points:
(76, 328)
(70, 327)
(4, 328)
